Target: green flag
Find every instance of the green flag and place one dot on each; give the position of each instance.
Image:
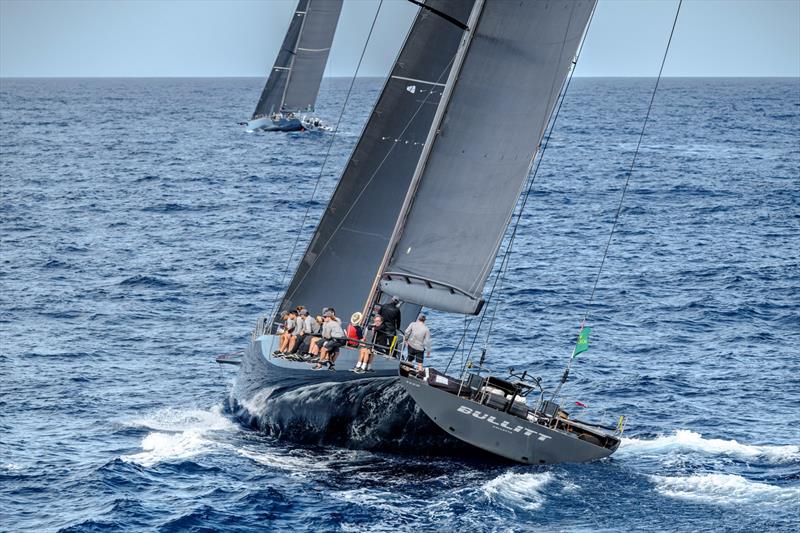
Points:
(583, 341)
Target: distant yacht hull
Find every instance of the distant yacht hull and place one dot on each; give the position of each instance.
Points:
(281, 124)
(262, 373)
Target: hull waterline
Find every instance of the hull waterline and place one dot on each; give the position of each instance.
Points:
(285, 124)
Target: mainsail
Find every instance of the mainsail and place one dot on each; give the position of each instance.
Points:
(481, 151)
(345, 253)
(295, 78)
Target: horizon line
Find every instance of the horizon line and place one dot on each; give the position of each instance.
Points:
(358, 77)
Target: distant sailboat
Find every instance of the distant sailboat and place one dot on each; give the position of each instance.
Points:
(290, 94)
(422, 207)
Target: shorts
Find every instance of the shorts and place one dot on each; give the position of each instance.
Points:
(333, 345)
(299, 339)
(414, 354)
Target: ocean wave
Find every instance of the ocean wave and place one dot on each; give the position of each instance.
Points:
(520, 491)
(689, 441)
(178, 435)
(725, 489)
(149, 281)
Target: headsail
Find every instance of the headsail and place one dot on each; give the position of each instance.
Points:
(344, 254)
(294, 81)
(466, 190)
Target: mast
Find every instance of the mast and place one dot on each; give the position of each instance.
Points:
(343, 255)
(458, 62)
(464, 191)
(294, 50)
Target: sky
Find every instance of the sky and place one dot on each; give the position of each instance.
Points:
(213, 38)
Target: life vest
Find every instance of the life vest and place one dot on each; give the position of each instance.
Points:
(354, 333)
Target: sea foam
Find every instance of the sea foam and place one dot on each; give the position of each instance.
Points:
(684, 441)
(522, 491)
(725, 489)
(178, 434)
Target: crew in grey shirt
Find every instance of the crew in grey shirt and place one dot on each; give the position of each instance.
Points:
(418, 340)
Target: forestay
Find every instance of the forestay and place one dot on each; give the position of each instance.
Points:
(495, 118)
(344, 255)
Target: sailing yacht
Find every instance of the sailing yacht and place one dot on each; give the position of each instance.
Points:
(288, 99)
(423, 204)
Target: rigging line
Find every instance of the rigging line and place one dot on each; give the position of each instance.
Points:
(327, 155)
(622, 196)
(531, 179)
(633, 163)
(455, 351)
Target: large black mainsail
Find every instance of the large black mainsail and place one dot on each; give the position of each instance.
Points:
(480, 152)
(295, 78)
(345, 252)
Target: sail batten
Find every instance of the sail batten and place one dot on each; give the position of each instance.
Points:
(518, 58)
(348, 245)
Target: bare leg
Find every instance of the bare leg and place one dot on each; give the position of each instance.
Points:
(292, 342)
(363, 356)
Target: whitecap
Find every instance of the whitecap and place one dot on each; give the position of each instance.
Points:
(158, 447)
(522, 491)
(172, 419)
(281, 461)
(725, 489)
(178, 434)
(689, 441)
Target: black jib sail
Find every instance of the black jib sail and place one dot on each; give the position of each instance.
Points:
(295, 78)
(345, 253)
(480, 152)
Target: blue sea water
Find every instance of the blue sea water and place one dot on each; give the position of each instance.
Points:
(143, 231)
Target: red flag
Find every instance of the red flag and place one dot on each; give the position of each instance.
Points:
(581, 404)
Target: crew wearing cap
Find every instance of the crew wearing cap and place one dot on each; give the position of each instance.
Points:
(300, 331)
(333, 338)
(289, 329)
(418, 340)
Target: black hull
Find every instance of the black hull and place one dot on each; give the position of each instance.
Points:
(334, 408)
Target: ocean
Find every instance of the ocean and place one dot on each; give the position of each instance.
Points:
(143, 231)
